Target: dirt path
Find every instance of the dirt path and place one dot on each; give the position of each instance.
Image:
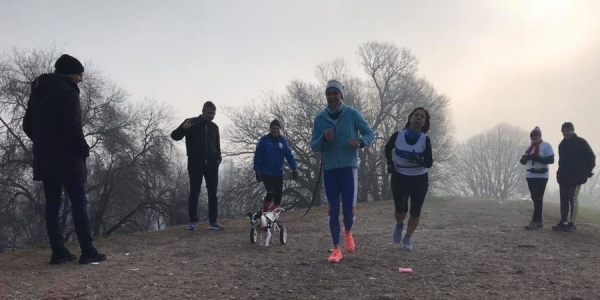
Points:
(464, 249)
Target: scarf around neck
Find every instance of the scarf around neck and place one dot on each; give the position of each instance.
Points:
(336, 110)
(411, 134)
(534, 149)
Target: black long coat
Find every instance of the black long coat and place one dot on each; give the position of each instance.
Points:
(53, 123)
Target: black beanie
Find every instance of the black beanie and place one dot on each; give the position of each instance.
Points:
(68, 65)
(566, 125)
(275, 123)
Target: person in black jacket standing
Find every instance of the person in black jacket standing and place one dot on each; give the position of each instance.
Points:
(53, 123)
(576, 161)
(203, 147)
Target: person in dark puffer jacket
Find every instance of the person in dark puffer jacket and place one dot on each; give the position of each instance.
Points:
(576, 161)
(53, 123)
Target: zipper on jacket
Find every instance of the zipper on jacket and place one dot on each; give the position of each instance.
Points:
(337, 151)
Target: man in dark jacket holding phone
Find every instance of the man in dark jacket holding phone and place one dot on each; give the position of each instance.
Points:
(575, 165)
(203, 147)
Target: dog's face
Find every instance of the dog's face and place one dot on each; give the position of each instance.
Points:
(257, 219)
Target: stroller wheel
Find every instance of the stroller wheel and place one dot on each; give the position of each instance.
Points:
(283, 235)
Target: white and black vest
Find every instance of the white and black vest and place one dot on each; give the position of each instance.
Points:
(538, 169)
(402, 151)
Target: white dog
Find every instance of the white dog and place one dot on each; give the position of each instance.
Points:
(263, 222)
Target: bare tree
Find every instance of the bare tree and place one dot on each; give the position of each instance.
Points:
(252, 122)
(21, 198)
(134, 182)
(390, 90)
(135, 167)
(487, 165)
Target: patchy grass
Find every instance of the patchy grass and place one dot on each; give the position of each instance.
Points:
(464, 249)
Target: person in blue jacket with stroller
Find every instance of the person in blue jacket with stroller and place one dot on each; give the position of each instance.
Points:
(268, 164)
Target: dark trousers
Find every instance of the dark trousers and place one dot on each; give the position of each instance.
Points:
(537, 188)
(405, 187)
(569, 201)
(274, 188)
(79, 207)
(199, 169)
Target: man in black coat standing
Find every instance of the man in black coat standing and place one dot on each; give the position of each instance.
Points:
(203, 145)
(575, 165)
(53, 123)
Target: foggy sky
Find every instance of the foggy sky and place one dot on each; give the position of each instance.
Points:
(525, 62)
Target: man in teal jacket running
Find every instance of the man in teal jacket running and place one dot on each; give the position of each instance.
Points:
(338, 132)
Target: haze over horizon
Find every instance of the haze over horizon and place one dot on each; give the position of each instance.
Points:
(527, 63)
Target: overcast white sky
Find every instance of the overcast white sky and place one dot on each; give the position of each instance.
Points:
(525, 62)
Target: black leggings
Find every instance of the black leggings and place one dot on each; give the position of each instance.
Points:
(413, 187)
(274, 187)
(537, 187)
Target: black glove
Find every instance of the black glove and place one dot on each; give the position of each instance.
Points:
(390, 168)
(414, 158)
(295, 174)
(523, 160)
(590, 175)
(361, 143)
(259, 177)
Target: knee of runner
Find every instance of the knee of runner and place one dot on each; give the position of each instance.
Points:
(398, 213)
(415, 214)
(333, 211)
(401, 211)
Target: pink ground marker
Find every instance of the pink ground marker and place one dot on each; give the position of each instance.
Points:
(405, 270)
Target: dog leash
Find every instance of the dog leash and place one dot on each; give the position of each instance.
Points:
(317, 188)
